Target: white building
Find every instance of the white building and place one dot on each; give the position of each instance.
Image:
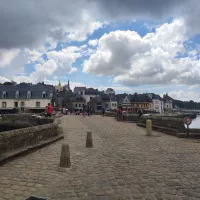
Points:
(23, 97)
(87, 93)
(168, 103)
(112, 103)
(157, 103)
(126, 104)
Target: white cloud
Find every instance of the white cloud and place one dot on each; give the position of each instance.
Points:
(185, 95)
(6, 56)
(3, 79)
(87, 27)
(93, 42)
(152, 59)
(48, 68)
(35, 55)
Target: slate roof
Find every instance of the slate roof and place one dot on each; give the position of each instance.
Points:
(155, 96)
(78, 98)
(140, 98)
(166, 97)
(91, 91)
(120, 97)
(78, 89)
(23, 88)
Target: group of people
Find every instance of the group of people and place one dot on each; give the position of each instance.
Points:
(88, 109)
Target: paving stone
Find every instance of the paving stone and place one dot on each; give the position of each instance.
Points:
(123, 164)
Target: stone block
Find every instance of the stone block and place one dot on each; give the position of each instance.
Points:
(89, 142)
(65, 161)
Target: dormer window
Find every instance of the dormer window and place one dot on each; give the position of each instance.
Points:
(17, 94)
(28, 94)
(4, 95)
(44, 95)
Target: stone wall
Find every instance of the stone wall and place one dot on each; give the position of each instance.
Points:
(110, 114)
(19, 138)
(168, 122)
(25, 119)
(130, 117)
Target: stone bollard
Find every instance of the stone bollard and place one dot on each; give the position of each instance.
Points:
(65, 156)
(89, 142)
(149, 127)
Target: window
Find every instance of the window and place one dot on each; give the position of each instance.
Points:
(37, 104)
(22, 104)
(4, 95)
(44, 95)
(79, 105)
(75, 105)
(90, 98)
(16, 104)
(81, 92)
(4, 104)
(28, 94)
(17, 94)
(167, 106)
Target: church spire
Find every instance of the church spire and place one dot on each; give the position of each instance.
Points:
(68, 86)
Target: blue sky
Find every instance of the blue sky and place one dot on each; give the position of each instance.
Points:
(143, 49)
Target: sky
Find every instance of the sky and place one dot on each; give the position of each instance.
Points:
(131, 46)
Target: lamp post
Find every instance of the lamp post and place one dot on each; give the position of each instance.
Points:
(57, 100)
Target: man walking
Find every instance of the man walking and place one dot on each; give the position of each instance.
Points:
(103, 111)
(49, 110)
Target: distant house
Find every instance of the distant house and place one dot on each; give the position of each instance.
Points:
(108, 102)
(140, 101)
(120, 98)
(78, 102)
(110, 91)
(87, 93)
(126, 104)
(168, 103)
(157, 103)
(112, 103)
(79, 89)
(25, 97)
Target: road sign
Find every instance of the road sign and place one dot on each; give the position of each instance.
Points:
(187, 121)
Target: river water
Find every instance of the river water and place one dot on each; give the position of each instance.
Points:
(195, 122)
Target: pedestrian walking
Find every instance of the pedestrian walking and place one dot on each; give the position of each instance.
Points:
(49, 110)
(103, 111)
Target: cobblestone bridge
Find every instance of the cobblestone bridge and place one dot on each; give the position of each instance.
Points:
(124, 164)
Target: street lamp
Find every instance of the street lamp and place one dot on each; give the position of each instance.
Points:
(57, 100)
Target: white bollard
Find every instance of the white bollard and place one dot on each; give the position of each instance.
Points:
(149, 127)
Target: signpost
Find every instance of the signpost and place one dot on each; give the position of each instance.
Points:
(187, 121)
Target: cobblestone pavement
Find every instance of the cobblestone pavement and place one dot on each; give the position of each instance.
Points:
(124, 164)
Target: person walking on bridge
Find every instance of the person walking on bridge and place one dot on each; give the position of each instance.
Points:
(49, 110)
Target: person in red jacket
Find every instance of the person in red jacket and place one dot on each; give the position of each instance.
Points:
(49, 110)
